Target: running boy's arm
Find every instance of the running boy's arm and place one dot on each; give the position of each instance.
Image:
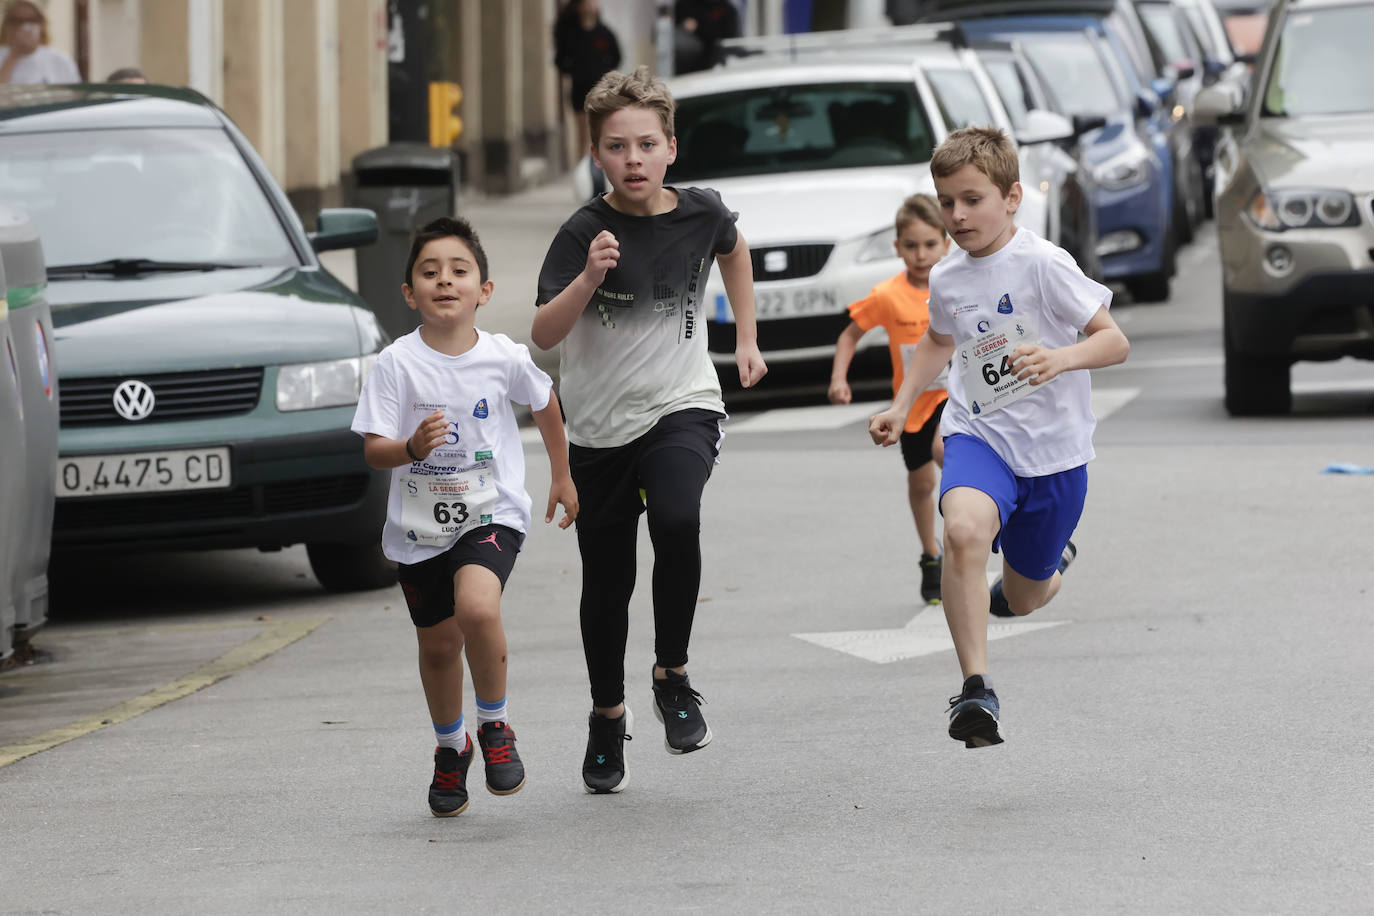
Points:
(737, 270)
(933, 351)
(555, 318)
(840, 392)
(549, 420)
(383, 453)
(1104, 344)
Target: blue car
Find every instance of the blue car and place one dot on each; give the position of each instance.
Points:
(1131, 155)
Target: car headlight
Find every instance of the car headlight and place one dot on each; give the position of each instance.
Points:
(878, 246)
(1126, 169)
(308, 386)
(1302, 209)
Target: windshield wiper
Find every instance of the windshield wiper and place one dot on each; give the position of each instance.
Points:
(128, 267)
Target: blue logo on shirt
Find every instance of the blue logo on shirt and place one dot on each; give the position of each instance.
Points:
(983, 327)
(976, 409)
(480, 411)
(411, 535)
(1004, 304)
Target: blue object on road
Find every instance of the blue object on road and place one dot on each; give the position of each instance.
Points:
(1344, 467)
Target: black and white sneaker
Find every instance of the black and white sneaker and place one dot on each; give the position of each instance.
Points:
(678, 707)
(930, 578)
(501, 762)
(603, 769)
(974, 714)
(997, 604)
(448, 791)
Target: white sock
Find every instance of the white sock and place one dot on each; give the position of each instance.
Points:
(491, 712)
(453, 735)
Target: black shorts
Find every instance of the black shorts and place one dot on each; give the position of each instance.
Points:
(916, 446)
(428, 585)
(607, 479)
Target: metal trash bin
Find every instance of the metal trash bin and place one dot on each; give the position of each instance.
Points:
(12, 467)
(31, 335)
(406, 185)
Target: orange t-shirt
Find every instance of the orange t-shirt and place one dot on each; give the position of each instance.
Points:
(904, 311)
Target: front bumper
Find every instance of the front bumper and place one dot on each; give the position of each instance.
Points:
(310, 487)
(799, 320)
(1324, 316)
(1139, 210)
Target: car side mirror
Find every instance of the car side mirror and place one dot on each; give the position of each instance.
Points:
(1213, 68)
(343, 227)
(1164, 87)
(1083, 123)
(1044, 127)
(1219, 103)
(1147, 102)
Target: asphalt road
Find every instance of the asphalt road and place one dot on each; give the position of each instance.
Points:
(1187, 723)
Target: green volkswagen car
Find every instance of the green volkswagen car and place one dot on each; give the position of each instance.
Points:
(208, 367)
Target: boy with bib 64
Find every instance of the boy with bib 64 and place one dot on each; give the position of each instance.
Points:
(1009, 307)
(436, 409)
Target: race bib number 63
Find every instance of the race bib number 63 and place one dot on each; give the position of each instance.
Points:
(438, 508)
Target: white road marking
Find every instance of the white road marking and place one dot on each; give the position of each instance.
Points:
(1107, 401)
(801, 419)
(1333, 387)
(926, 634)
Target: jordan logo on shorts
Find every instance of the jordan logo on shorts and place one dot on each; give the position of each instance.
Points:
(491, 539)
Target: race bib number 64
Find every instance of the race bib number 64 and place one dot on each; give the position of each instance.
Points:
(985, 366)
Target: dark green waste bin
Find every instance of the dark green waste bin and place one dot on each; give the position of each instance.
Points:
(406, 185)
(31, 335)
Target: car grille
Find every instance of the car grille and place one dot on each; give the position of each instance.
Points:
(243, 503)
(781, 333)
(801, 261)
(179, 396)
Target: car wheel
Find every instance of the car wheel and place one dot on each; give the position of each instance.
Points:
(351, 567)
(1256, 386)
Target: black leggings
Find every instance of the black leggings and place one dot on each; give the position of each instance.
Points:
(673, 479)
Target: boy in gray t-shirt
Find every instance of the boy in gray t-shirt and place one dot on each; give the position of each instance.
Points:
(621, 288)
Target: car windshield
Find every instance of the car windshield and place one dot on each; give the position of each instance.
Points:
(1159, 19)
(1075, 72)
(1010, 88)
(1322, 65)
(161, 195)
(799, 128)
(960, 100)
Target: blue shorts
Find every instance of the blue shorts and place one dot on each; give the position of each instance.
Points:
(1038, 513)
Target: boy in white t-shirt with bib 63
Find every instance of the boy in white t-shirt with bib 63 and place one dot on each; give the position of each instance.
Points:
(436, 409)
(1008, 307)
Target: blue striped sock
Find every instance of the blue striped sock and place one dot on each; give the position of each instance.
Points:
(453, 735)
(491, 712)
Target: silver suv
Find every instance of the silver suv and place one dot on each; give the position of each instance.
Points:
(1295, 181)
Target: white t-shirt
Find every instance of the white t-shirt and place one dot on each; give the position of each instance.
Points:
(1049, 430)
(475, 392)
(44, 65)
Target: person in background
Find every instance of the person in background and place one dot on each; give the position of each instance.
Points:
(127, 75)
(710, 22)
(24, 53)
(584, 50)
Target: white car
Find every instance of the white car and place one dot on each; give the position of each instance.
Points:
(816, 151)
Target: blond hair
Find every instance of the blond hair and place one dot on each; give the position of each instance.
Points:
(987, 149)
(8, 23)
(919, 208)
(617, 90)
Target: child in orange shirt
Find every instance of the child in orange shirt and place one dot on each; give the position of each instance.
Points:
(900, 306)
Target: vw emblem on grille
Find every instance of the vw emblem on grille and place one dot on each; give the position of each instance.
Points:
(775, 261)
(133, 400)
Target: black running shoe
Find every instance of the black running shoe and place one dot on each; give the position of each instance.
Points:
(678, 707)
(973, 714)
(505, 773)
(603, 769)
(997, 605)
(448, 793)
(930, 578)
